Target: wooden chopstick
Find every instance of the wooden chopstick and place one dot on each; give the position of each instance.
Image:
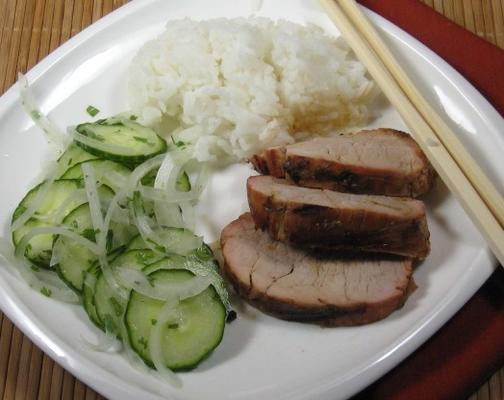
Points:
(434, 148)
(479, 180)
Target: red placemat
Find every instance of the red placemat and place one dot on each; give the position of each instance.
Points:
(470, 347)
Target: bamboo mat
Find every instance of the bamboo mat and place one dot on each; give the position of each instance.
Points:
(31, 29)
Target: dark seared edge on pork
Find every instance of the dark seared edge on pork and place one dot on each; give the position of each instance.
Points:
(293, 285)
(315, 218)
(381, 161)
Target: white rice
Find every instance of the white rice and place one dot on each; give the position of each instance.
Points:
(234, 87)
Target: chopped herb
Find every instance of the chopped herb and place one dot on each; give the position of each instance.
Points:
(140, 139)
(46, 292)
(34, 268)
(143, 342)
(93, 111)
(47, 253)
(89, 234)
(149, 179)
(133, 117)
(93, 135)
(153, 321)
(74, 224)
(109, 323)
(69, 161)
(157, 246)
(118, 308)
(35, 114)
(172, 326)
(110, 240)
(143, 257)
(204, 253)
(178, 143)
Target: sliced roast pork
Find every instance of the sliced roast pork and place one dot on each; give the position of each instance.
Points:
(294, 285)
(381, 161)
(315, 218)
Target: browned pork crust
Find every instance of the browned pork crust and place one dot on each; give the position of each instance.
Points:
(380, 161)
(314, 218)
(291, 284)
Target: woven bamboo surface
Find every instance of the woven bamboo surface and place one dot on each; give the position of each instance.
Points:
(31, 29)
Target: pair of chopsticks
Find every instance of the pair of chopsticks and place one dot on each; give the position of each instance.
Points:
(465, 179)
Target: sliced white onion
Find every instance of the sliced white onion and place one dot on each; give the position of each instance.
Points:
(208, 268)
(100, 229)
(188, 215)
(94, 204)
(150, 236)
(167, 196)
(168, 215)
(55, 230)
(45, 280)
(36, 202)
(137, 174)
(173, 162)
(107, 343)
(126, 191)
(121, 216)
(53, 133)
(55, 256)
(114, 179)
(138, 281)
(7, 251)
(42, 281)
(168, 313)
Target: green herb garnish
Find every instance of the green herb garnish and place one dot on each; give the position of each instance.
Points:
(91, 110)
(140, 139)
(46, 292)
(143, 342)
(35, 114)
(118, 308)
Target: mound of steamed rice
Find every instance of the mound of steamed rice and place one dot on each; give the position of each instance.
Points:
(232, 87)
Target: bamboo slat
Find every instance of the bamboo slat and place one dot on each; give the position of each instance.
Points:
(29, 30)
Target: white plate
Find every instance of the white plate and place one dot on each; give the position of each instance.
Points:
(260, 357)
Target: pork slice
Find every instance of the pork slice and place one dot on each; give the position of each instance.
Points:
(316, 218)
(379, 161)
(294, 285)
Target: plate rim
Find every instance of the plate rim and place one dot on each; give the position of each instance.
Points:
(112, 385)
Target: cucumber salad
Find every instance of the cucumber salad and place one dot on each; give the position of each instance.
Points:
(111, 227)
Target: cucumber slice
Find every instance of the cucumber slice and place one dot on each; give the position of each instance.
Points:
(173, 238)
(170, 262)
(73, 258)
(183, 183)
(88, 290)
(123, 140)
(109, 306)
(39, 249)
(101, 168)
(190, 339)
(72, 155)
